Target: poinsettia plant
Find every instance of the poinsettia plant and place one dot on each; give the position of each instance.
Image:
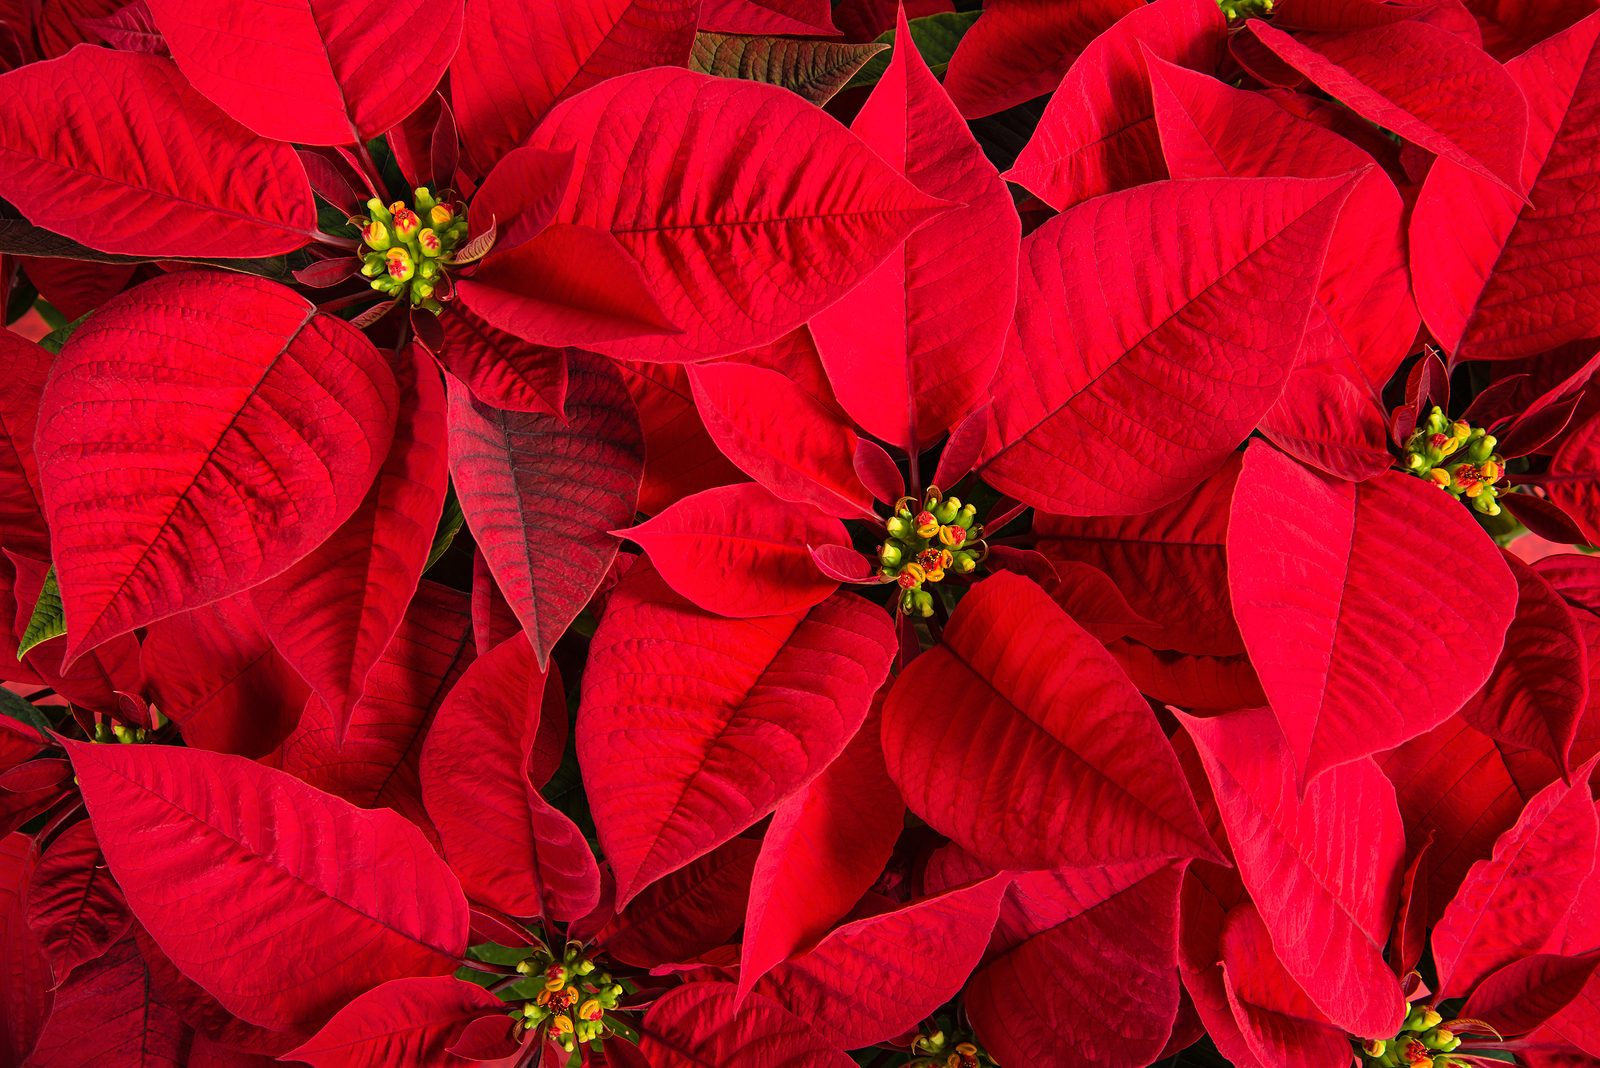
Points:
(790, 534)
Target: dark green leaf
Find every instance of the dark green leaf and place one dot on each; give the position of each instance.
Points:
(48, 620)
(24, 712)
(936, 37)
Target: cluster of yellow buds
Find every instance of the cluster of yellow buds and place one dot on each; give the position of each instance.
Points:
(117, 734)
(409, 246)
(575, 998)
(933, 1049)
(1458, 458)
(1423, 1042)
(1243, 9)
(928, 539)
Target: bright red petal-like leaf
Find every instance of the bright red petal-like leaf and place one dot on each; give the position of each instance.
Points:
(333, 613)
(912, 348)
(1353, 623)
(1510, 904)
(404, 1021)
(1170, 564)
(215, 852)
(204, 1013)
(1098, 133)
(1142, 399)
(899, 966)
(117, 151)
(1365, 320)
(693, 727)
(680, 458)
(567, 285)
(541, 494)
(517, 61)
(1019, 49)
(1422, 82)
(733, 271)
(1511, 27)
(1513, 277)
(1526, 993)
(1278, 1022)
(21, 508)
(1021, 739)
(74, 905)
(705, 1024)
(316, 74)
(740, 551)
(825, 848)
(1085, 925)
(25, 980)
(503, 371)
(106, 1017)
(1538, 691)
(508, 846)
(1463, 811)
(200, 434)
(214, 672)
(768, 17)
(781, 436)
(689, 912)
(1324, 870)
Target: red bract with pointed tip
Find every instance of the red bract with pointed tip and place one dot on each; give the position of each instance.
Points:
(1320, 570)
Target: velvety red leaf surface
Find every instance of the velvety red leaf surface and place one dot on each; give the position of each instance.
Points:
(902, 965)
(21, 503)
(506, 844)
(74, 905)
(1098, 133)
(781, 436)
(823, 850)
(517, 61)
(25, 975)
(911, 348)
(1322, 868)
(369, 568)
(310, 72)
(134, 174)
(1422, 82)
(200, 436)
(689, 912)
(1019, 49)
(1064, 439)
(1539, 689)
(768, 703)
(705, 1023)
(1512, 277)
(1020, 695)
(1170, 564)
(1077, 925)
(1511, 903)
(1317, 567)
(105, 1015)
(537, 489)
(404, 1021)
(332, 899)
(740, 551)
(844, 205)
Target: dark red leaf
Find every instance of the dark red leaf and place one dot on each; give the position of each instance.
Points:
(537, 490)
